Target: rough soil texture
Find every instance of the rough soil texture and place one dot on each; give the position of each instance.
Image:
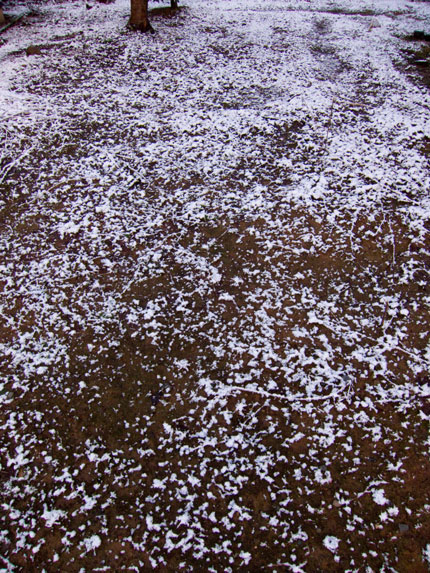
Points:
(215, 289)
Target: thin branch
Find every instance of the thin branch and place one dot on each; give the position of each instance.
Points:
(11, 165)
(13, 21)
(292, 398)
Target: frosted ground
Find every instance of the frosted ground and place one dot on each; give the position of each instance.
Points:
(215, 286)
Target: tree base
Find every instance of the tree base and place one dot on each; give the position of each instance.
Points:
(141, 27)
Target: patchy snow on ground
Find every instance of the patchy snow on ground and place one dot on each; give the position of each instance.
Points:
(215, 289)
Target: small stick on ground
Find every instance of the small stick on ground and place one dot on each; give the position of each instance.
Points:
(13, 21)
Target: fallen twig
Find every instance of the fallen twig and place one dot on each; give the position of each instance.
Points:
(291, 398)
(13, 21)
(11, 165)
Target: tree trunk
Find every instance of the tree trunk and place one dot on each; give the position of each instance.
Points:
(174, 4)
(139, 16)
(2, 18)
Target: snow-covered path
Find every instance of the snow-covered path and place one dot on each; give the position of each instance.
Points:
(214, 267)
